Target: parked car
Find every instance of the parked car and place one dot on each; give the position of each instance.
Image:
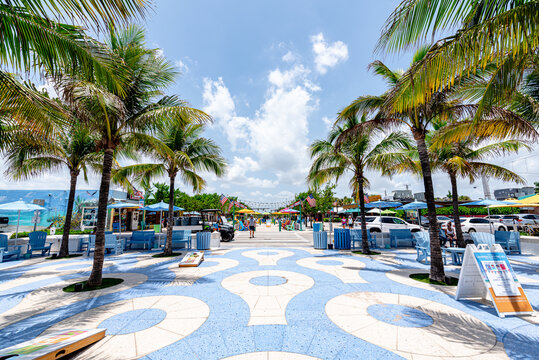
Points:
(470, 225)
(442, 219)
(493, 218)
(512, 221)
(379, 223)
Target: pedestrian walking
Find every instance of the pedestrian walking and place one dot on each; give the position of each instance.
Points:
(252, 227)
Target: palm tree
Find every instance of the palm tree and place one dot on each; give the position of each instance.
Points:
(462, 159)
(396, 108)
(123, 120)
(505, 32)
(178, 149)
(72, 147)
(356, 155)
(35, 39)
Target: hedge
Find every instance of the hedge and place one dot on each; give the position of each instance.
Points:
(58, 232)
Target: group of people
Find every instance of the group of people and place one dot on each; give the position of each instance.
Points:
(347, 222)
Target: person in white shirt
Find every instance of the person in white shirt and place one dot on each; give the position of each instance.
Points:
(252, 227)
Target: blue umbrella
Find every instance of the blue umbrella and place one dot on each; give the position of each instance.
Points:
(383, 204)
(416, 205)
(20, 206)
(160, 206)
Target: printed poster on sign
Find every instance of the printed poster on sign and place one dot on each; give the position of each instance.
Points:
(500, 278)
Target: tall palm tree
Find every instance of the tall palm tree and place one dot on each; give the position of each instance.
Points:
(72, 148)
(123, 120)
(461, 159)
(178, 149)
(505, 32)
(356, 155)
(396, 108)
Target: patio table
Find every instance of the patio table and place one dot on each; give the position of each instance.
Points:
(457, 254)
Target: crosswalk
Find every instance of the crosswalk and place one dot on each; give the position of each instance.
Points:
(271, 239)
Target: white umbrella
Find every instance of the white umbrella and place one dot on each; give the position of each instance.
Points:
(19, 206)
(374, 211)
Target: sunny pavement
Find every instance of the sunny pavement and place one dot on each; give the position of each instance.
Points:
(272, 297)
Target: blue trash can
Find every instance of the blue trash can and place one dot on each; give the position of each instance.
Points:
(342, 239)
(203, 240)
(320, 240)
(317, 227)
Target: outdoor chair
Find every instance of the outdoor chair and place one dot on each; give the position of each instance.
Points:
(357, 236)
(290, 227)
(111, 244)
(422, 239)
(84, 242)
(508, 240)
(397, 236)
(5, 253)
(182, 237)
(482, 238)
(144, 238)
(242, 226)
(37, 241)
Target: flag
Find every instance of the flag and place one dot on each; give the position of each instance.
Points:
(223, 199)
(366, 199)
(311, 200)
(230, 205)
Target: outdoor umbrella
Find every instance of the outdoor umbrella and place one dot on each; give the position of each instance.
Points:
(374, 211)
(289, 211)
(161, 206)
(19, 206)
(122, 206)
(488, 203)
(383, 204)
(415, 205)
(245, 211)
(388, 212)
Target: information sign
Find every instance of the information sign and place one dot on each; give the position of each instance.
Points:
(486, 273)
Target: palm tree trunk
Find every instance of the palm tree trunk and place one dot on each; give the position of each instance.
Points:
(456, 218)
(364, 238)
(436, 264)
(64, 246)
(99, 252)
(170, 221)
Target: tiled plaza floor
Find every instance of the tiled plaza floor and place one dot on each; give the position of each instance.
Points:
(265, 303)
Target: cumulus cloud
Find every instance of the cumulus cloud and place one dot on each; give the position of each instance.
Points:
(182, 66)
(289, 57)
(327, 55)
(328, 122)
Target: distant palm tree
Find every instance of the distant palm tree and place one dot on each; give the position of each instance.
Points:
(355, 155)
(123, 121)
(73, 147)
(178, 149)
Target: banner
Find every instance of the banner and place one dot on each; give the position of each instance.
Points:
(486, 273)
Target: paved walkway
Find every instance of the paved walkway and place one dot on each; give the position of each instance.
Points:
(247, 303)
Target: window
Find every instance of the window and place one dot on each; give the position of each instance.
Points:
(478, 221)
(387, 220)
(398, 221)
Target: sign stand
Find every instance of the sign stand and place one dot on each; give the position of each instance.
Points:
(487, 274)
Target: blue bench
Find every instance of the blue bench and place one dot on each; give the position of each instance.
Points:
(37, 241)
(320, 240)
(181, 237)
(482, 238)
(5, 253)
(422, 240)
(397, 236)
(144, 238)
(508, 240)
(357, 236)
(84, 242)
(111, 244)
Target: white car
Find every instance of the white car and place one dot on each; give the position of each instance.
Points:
(520, 220)
(470, 225)
(384, 223)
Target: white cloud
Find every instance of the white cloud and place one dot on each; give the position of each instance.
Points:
(289, 57)
(328, 122)
(182, 66)
(328, 55)
(49, 88)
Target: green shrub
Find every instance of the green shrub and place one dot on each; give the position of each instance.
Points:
(58, 232)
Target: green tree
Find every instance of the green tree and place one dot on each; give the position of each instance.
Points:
(354, 156)
(123, 120)
(179, 149)
(72, 147)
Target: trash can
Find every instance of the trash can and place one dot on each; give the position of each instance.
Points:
(203, 240)
(320, 240)
(341, 239)
(317, 227)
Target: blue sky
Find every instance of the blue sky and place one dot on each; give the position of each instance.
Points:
(273, 74)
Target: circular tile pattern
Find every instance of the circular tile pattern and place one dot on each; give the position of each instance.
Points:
(206, 263)
(74, 267)
(270, 253)
(268, 280)
(271, 355)
(132, 321)
(452, 334)
(330, 262)
(399, 315)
